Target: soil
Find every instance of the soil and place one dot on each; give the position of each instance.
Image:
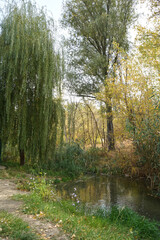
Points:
(45, 229)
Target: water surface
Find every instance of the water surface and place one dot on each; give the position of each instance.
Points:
(106, 191)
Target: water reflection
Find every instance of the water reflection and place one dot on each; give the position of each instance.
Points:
(108, 191)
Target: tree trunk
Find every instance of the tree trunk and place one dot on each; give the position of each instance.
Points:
(22, 158)
(96, 123)
(110, 129)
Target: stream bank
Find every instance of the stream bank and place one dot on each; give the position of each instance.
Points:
(43, 204)
(108, 191)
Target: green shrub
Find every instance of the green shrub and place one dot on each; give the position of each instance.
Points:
(92, 155)
(70, 159)
(73, 160)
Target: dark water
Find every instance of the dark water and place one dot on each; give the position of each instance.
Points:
(106, 191)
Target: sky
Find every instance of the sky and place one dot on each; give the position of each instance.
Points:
(53, 6)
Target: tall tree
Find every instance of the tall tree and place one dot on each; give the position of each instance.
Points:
(28, 75)
(94, 28)
(149, 38)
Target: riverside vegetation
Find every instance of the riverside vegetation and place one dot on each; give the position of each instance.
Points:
(72, 216)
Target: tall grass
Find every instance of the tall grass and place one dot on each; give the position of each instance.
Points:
(73, 160)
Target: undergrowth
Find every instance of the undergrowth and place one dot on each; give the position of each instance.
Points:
(73, 160)
(69, 161)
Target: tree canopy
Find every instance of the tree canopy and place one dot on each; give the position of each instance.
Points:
(29, 72)
(96, 27)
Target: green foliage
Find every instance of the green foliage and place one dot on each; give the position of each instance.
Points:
(93, 54)
(39, 185)
(70, 159)
(29, 71)
(15, 228)
(44, 189)
(95, 153)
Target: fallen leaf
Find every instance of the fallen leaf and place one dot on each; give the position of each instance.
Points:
(73, 236)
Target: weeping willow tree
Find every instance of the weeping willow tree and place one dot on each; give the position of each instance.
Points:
(28, 78)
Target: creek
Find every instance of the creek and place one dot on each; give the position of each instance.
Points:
(105, 192)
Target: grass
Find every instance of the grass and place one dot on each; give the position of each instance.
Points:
(76, 223)
(118, 224)
(15, 228)
(79, 222)
(22, 174)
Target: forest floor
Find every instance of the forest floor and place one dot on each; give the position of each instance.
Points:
(43, 228)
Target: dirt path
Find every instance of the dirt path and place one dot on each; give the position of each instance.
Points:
(46, 230)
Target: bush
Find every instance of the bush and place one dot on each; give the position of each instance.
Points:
(70, 159)
(147, 142)
(73, 160)
(145, 132)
